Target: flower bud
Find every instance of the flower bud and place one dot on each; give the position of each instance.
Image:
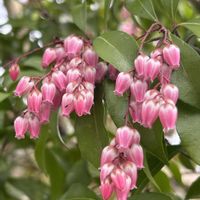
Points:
(14, 71)
(90, 57)
(168, 116)
(140, 63)
(165, 74)
(108, 155)
(152, 69)
(138, 90)
(60, 53)
(59, 80)
(101, 70)
(171, 54)
(34, 101)
(123, 83)
(106, 171)
(150, 111)
(79, 104)
(45, 112)
(21, 126)
(157, 54)
(90, 74)
(151, 94)
(73, 46)
(48, 92)
(24, 86)
(171, 92)
(106, 190)
(124, 137)
(135, 110)
(73, 75)
(48, 57)
(34, 127)
(113, 72)
(136, 155)
(67, 105)
(89, 101)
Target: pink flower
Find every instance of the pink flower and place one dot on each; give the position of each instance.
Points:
(79, 104)
(60, 53)
(21, 126)
(34, 127)
(150, 111)
(34, 101)
(152, 94)
(89, 101)
(140, 63)
(48, 92)
(106, 190)
(108, 155)
(73, 74)
(171, 54)
(45, 112)
(24, 86)
(138, 90)
(135, 110)
(171, 92)
(48, 57)
(90, 74)
(123, 83)
(124, 137)
(73, 46)
(59, 80)
(14, 71)
(90, 57)
(113, 72)
(165, 74)
(101, 70)
(106, 170)
(67, 105)
(168, 116)
(136, 155)
(152, 69)
(157, 54)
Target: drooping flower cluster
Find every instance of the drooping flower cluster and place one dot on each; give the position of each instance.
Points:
(69, 83)
(120, 162)
(148, 102)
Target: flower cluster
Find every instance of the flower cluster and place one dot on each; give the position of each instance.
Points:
(148, 102)
(119, 163)
(69, 83)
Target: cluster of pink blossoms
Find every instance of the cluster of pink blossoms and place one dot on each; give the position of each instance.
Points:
(121, 159)
(119, 163)
(147, 103)
(69, 83)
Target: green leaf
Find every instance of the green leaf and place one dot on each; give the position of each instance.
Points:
(163, 181)
(148, 173)
(153, 141)
(190, 60)
(142, 8)
(188, 127)
(117, 48)
(193, 25)
(175, 171)
(171, 7)
(150, 196)
(79, 192)
(34, 61)
(91, 133)
(79, 14)
(3, 96)
(155, 166)
(117, 106)
(56, 173)
(194, 192)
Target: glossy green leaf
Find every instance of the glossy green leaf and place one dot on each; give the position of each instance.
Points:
(153, 141)
(148, 173)
(155, 166)
(150, 196)
(188, 129)
(163, 181)
(194, 192)
(117, 106)
(79, 14)
(190, 59)
(79, 192)
(142, 8)
(171, 7)
(91, 133)
(193, 25)
(56, 173)
(117, 48)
